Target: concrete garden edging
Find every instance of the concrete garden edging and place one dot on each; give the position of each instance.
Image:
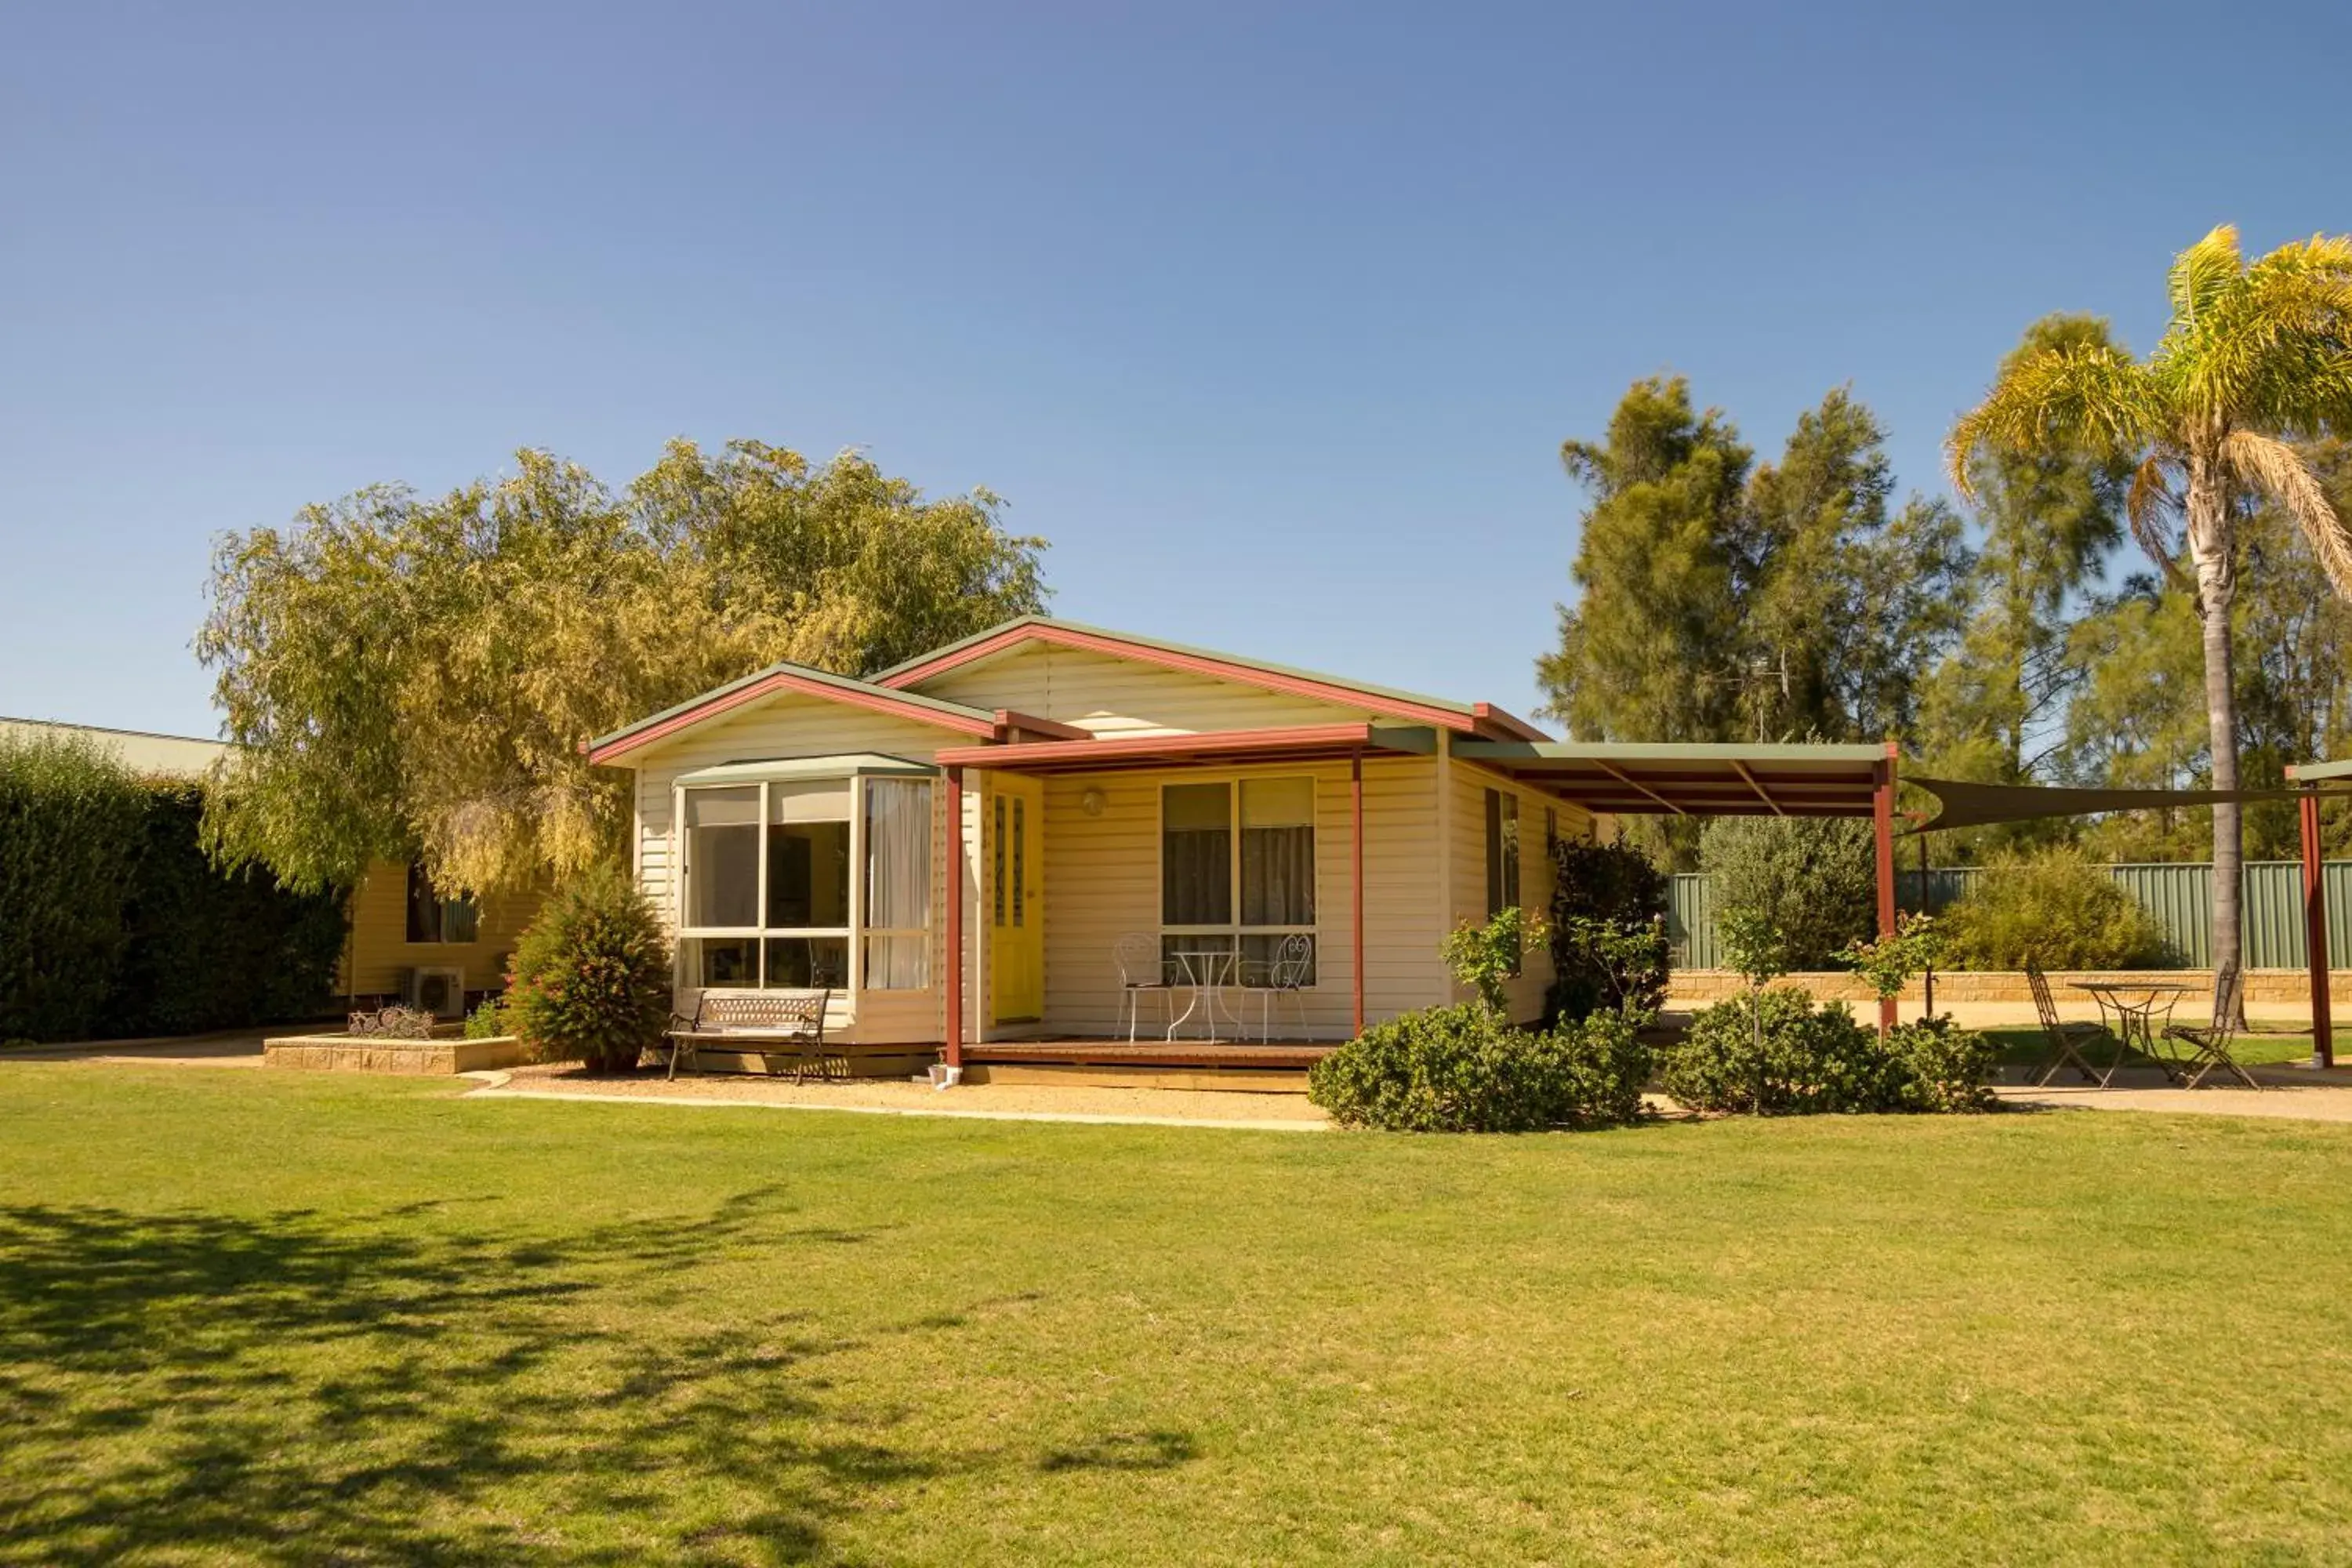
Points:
(2265, 988)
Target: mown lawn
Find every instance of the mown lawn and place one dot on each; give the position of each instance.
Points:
(2026, 1045)
(253, 1316)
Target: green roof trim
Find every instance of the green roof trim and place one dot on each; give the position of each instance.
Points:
(2305, 772)
(807, 672)
(778, 769)
(1187, 650)
(1668, 751)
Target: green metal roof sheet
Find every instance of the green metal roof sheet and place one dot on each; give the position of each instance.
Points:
(775, 769)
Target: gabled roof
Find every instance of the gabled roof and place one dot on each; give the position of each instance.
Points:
(808, 682)
(1465, 718)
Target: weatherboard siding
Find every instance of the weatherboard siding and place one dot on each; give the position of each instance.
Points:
(1525, 994)
(1113, 697)
(1102, 879)
(378, 956)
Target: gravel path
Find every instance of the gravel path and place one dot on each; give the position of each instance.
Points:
(1028, 1102)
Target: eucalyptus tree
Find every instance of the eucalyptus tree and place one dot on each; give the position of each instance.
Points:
(2255, 356)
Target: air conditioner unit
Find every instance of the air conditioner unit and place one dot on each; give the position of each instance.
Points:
(438, 989)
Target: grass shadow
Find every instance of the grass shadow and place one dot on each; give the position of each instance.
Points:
(306, 1387)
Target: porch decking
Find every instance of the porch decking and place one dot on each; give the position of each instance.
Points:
(1292, 1056)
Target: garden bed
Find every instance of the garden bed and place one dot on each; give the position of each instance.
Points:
(342, 1052)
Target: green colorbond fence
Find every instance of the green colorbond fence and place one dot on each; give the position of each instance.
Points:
(2180, 897)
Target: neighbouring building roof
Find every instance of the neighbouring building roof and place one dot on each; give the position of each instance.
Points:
(141, 751)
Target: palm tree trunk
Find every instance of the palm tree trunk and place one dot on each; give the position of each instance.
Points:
(2212, 549)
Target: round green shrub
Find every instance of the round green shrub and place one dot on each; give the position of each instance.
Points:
(2056, 910)
(1944, 1066)
(1465, 1070)
(1817, 1060)
(1811, 880)
(591, 975)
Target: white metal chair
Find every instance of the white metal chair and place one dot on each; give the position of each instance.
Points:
(1141, 972)
(1294, 962)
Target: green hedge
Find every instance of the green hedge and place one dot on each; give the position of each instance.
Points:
(113, 922)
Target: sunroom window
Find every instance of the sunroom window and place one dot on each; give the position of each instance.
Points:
(1236, 875)
(768, 897)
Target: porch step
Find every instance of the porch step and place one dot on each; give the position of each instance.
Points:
(1218, 1079)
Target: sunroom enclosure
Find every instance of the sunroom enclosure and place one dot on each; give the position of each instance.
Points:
(817, 873)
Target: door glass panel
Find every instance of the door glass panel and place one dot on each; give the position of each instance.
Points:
(1020, 859)
(997, 880)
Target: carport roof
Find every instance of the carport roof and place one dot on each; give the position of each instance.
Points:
(1694, 778)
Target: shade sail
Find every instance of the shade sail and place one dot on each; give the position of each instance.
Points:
(1968, 804)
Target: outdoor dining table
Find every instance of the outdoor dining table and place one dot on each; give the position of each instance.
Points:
(2134, 1021)
(1208, 974)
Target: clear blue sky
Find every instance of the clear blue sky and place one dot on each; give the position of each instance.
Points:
(1272, 319)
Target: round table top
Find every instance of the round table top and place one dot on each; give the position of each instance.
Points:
(2133, 985)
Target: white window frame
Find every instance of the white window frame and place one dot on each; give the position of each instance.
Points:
(759, 934)
(1235, 928)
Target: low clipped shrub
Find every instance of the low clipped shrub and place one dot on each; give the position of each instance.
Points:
(488, 1021)
(2056, 910)
(1464, 1069)
(1944, 1066)
(1815, 1060)
(591, 975)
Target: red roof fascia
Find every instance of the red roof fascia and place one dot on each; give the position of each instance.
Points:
(1008, 719)
(1197, 664)
(1498, 725)
(785, 680)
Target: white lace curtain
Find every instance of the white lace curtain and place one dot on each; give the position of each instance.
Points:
(897, 884)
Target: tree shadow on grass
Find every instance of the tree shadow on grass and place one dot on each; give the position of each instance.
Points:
(404, 1387)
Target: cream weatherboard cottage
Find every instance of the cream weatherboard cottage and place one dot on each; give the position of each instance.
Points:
(1084, 792)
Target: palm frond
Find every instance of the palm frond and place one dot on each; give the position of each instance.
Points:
(2152, 507)
(2264, 347)
(2279, 471)
(2089, 398)
(2200, 273)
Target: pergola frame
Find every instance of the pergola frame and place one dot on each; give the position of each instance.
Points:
(1710, 779)
(2307, 778)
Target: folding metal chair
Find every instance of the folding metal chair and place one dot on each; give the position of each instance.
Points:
(2208, 1049)
(2066, 1039)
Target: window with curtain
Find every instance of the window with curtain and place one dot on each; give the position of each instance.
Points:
(1237, 874)
(767, 885)
(1502, 851)
(434, 918)
(897, 884)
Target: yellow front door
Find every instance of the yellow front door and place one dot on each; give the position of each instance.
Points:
(1016, 898)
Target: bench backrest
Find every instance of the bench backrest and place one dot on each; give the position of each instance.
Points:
(773, 1012)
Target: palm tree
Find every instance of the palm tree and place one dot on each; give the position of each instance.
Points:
(2253, 357)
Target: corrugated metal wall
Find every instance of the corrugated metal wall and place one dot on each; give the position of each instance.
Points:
(2180, 897)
